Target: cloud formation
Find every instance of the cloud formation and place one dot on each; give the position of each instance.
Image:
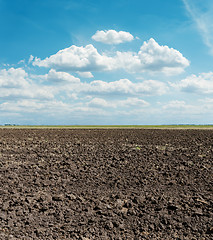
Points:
(154, 57)
(130, 102)
(83, 59)
(34, 106)
(85, 74)
(112, 37)
(123, 87)
(100, 103)
(16, 84)
(13, 78)
(133, 102)
(59, 77)
(189, 111)
(201, 84)
(151, 58)
(175, 105)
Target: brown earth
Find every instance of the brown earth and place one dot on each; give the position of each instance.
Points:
(106, 184)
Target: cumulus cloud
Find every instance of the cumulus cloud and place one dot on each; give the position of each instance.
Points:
(85, 74)
(15, 84)
(84, 59)
(112, 37)
(13, 78)
(133, 102)
(151, 58)
(154, 57)
(73, 87)
(201, 84)
(123, 87)
(119, 88)
(128, 61)
(100, 102)
(130, 102)
(59, 77)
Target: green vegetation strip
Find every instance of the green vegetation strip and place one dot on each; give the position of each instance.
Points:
(111, 126)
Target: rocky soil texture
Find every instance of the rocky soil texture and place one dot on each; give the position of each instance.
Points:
(106, 184)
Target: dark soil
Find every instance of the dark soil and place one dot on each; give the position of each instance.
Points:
(106, 184)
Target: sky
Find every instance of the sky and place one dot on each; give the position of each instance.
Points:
(67, 62)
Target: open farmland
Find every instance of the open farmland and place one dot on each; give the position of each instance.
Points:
(106, 184)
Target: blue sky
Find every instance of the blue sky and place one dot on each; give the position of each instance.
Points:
(106, 62)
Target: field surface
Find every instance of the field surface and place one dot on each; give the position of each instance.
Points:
(106, 184)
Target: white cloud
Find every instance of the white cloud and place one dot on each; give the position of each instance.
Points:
(13, 78)
(33, 106)
(100, 102)
(200, 111)
(175, 105)
(154, 57)
(85, 74)
(99, 87)
(59, 77)
(31, 58)
(151, 58)
(130, 102)
(50, 109)
(180, 111)
(133, 102)
(201, 13)
(124, 87)
(34, 92)
(112, 37)
(15, 84)
(84, 59)
(74, 88)
(128, 61)
(201, 84)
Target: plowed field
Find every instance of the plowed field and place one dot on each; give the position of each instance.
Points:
(106, 184)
